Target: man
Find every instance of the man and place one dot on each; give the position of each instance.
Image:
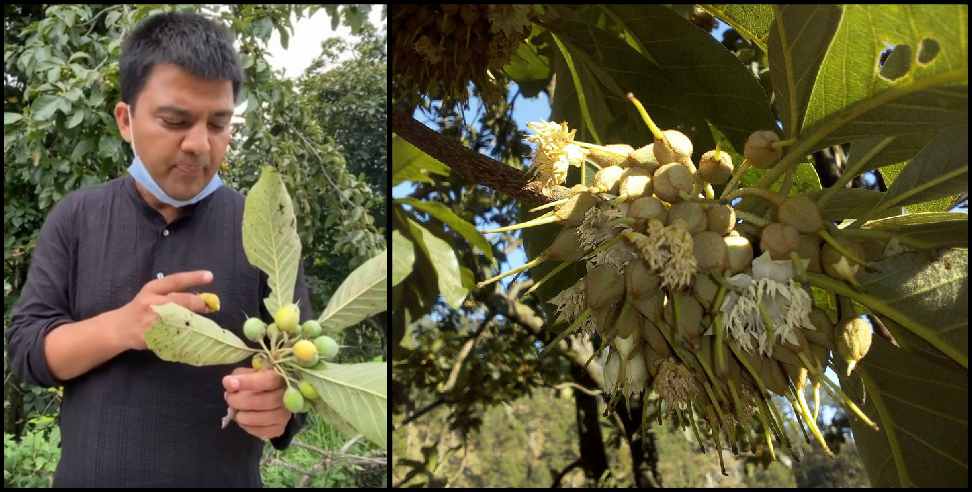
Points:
(106, 254)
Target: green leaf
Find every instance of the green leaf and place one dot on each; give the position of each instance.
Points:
(411, 164)
(695, 78)
(918, 396)
(11, 118)
(76, 118)
(798, 41)
(933, 285)
(444, 262)
(934, 229)
(940, 169)
(403, 256)
(358, 393)
(851, 99)
(850, 203)
(180, 335)
(529, 69)
(270, 238)
(43, 107)
(447, 216)
(751, 21)
(361, 295)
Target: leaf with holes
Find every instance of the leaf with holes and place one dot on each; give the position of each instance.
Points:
(180, 335)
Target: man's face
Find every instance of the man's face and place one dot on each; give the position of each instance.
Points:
(182, 128)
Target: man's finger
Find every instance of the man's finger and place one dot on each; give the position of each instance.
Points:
(178, 282)
(191, 302)
(255, 381)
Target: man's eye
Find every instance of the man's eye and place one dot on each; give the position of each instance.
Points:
(182, 123)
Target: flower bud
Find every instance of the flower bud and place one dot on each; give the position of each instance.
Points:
(635, 183)
(635, 375)
(689, 315)
(648, 207)
(809, 249)
(800, 212)
(710, 251)
(677, 149)
(779, 240)
(606, 180)
(626, 344)
(644, 157)
(759, 150)
(705, 289)
(692, 213)
(610, 155)
(740, 253)
(715, 167)
(837, 266)
(603, 286)
(572, 212)
(654, 338)
(640, 281)
(672, 179)
(611, 362)
(628, 322)
(720, 219)
(853, 341)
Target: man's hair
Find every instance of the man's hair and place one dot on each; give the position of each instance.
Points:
(198, 45)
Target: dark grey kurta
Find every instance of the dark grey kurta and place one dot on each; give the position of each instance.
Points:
(136, 420)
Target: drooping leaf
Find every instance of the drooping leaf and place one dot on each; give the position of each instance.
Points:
(932, 229)
(457, 224)
(270, 238)
(411, 164)
(940, 169)
(798, 41)
(181, 335)
(851, 99)
(443, 260)
(933, 288)
(751, 21)
(403, 256)
(362, 294)
(358, 393)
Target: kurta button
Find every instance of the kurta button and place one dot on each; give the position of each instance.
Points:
(159, 275)
(165, 233)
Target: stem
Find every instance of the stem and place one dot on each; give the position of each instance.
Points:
(573, 326)
(779, 144)
(816, 399)
(548, 276)
(767, 322)
(787, 181)
(736, 176)
(766, 432)
(709, 191)
(812, 424)
(883, 235)
(850, 172)
(524, 267)
(767, 195)
(838, 393)
(549, 205)
(694, 199)
(839, 247)
(655, 131)
(547, 218)
(695, 428)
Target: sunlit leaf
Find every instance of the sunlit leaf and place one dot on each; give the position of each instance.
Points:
(751, 21)
(181, 335)
(457, 224)
(361, 295)
(411, 164)
(403, 256)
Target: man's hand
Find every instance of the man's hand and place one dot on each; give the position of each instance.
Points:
(257, 397)
(137, 316)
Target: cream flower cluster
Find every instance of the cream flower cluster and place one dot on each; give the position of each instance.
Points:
(555, 152)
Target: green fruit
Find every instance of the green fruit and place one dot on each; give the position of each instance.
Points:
(326, 347)
(308, 390)
(720, 219)
(740, 253)
(293, 400)
(260, 361)
(272, 331)
(647, 207)
(254, 329)
(837, 266)
(607, 179)
(311, 329)
(692, 213)
(287, 318)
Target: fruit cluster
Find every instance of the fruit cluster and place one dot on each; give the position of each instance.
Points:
(678, 298)
(461, 40)
(291, 343)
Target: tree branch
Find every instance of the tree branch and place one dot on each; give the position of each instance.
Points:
(466, 164)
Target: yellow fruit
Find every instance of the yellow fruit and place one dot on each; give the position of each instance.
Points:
(287, 318)
(305, 351)
(853, 341)
(211, 300)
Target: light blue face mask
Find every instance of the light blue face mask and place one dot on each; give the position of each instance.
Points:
(141, 174)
